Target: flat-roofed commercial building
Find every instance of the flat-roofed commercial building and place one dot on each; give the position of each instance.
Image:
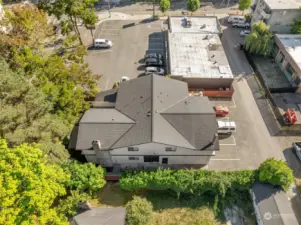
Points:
(196, 55)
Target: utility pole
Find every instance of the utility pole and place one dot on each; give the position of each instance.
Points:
(109, 3)
(154, 8)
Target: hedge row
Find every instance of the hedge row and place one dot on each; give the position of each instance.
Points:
(188, 181)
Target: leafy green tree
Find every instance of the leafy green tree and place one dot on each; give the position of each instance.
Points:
(248, 17)
(85, 177)
(72, 12)
(28, 26)
(26, 115)
(244, 4)
(66, 82)
(70, 205)
(164, 5)
(29, 186)
(259, 41)
(296, 27)
(193, 5)
(139, 211)
(276, 172)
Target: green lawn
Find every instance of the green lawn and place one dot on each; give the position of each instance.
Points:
(168, 210)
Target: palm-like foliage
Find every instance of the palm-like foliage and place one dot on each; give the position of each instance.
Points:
(259, 41)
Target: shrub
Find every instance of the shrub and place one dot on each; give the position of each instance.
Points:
(139, 211)
(188, 181)
(69, 206)
(276, 172)
(85, 177)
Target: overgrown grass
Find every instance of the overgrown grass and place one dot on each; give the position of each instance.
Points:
(188, 209)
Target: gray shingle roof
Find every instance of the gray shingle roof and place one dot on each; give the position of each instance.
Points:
(273, 205)
(151, 109)
(99, 115)
(100, 216)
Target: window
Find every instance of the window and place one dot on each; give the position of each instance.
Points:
(133, 157)
(164, 160)
(151, 158)
(223, 128)
(232, 128)
(133, 149)
(171, 149)
(290, 70)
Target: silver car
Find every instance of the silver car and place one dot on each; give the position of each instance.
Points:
(244, 33)
(241, 25)
(154, 62)
(154, 70)
(297, 149)
(153, 55)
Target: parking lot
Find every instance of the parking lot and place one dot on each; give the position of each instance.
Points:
(252, 143)
(131, 41)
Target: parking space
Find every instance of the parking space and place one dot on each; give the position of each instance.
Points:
(251, 144)
(131, 41)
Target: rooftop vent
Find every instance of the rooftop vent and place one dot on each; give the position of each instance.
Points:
(203, 26)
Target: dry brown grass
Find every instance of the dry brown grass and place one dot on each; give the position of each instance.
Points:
(185, 216)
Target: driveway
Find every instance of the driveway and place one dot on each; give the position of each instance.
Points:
(252, 143)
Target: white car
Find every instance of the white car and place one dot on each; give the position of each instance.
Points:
(124, 79)
(102, 43)
(244, 33)
(226, 127)
(236, 19)
(241, 25)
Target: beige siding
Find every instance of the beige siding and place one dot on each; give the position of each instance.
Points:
(157, 149)
(120, 156)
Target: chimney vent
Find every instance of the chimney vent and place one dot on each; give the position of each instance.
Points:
(96, 145)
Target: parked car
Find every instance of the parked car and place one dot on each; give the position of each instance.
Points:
(124, 79)
(244, 33)
(221, 110)
(102, 43)
(236, 19)
(153, 55)
(154, 70)
(153, 62)
(297, 149)
(241, 25)
(226, 127)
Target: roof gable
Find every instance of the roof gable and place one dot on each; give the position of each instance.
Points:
(198, 129)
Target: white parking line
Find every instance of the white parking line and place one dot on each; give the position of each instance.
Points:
(234, 104)
(155, 49)
(100, 51)
(223, 118)
(234, 142)
(107, 84)
(224, 159)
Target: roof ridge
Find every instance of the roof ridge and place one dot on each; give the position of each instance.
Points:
(178, 132)
(162, 111)
(122, 136)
